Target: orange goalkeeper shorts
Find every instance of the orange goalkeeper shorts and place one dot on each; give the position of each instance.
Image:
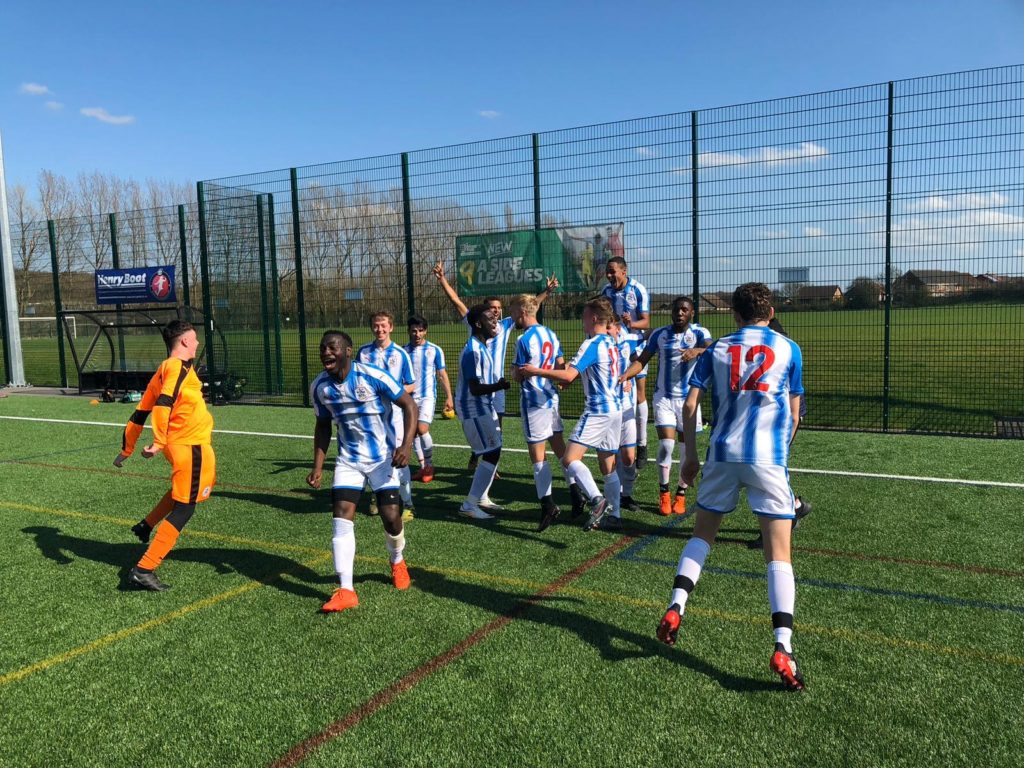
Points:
(193, 472)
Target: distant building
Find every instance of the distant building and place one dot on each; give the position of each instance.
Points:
(818, 294)
(936, 283)
(721, 301)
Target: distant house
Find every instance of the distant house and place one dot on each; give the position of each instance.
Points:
(936, 283)
(818, 294)
(720, 301)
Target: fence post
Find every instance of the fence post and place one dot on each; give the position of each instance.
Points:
(407, 216)
(116, 257)
(694, 216)
(888, 264)
(58, 305)
(204, 272)
(264, 310)
(184, 254)
(274, 292)
(300, 292)
(536, 212)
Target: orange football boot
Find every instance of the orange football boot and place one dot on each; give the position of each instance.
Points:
(679, 504)
(400, 575)
(427, 473)
(665, 506)
(341, 600)
(418, 474)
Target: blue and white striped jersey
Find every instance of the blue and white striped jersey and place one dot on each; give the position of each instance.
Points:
(498, 346)
(539, 346)
(392, 358)
(751, 374)
(427, 360)
(628, 344)
(361, 407)
(673, 374)
(631, 300)
(474, 363)
(600, 367)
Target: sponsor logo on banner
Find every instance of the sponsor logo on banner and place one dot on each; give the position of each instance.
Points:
(139, 285)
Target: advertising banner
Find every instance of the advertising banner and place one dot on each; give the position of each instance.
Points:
(139, 285)
(505, 263)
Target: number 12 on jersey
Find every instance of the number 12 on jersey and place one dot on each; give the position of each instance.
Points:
(752, 383)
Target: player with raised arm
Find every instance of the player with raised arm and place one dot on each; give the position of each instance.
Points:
(474, 404)
(677, 347)
(497, 346)
(600, 426)
(182, 431)
(359, 399)
(427, 369)
(632, 305)
(539, 346)
(754, 375)
(383, 353)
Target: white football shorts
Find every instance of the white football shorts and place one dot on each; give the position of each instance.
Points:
(600, 431)
(539, 424)
(426, 406)
(483, 433)
(380, 476)
(767, 485)
(668, 412)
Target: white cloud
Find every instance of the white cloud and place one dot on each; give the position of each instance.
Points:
(813, 231)
(34, 89)
(807, 151)
(646, 152)
(489, 114)
(966, 200)
(54, 105)
(105, 117)
(775, 233)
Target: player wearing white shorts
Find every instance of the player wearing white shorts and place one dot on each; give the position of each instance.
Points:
(383, 353)
(597, 361)
(677, 347)
(427, 369)
(497, 345)
(632, 305)
(474, 404)
(755, 378)
(358, 398)
(626, 464)
(538, 401)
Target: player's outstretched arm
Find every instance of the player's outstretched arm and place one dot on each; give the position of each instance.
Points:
(446, 385)
(549, 288)
(691, 464)
(321, 442)
(562, 376)
(450, 292)
(410, 415)
(638, 365)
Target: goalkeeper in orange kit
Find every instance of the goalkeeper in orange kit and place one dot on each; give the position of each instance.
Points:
(182, 428)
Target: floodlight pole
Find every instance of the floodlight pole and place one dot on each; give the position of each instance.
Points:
(14, 363)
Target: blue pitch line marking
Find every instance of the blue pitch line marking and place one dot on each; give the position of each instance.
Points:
(841, 587)
(632, 552)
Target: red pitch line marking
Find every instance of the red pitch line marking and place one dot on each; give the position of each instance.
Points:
(980, 569)
(302, 750)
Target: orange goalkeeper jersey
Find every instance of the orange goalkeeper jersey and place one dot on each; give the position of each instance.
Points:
(175, 398)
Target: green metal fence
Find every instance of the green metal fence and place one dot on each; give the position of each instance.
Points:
(888, 218)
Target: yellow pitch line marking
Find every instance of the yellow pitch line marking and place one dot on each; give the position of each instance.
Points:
(604, 597)
(122, 634)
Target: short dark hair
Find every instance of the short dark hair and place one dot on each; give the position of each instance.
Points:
(416, 321)
(474, 314)
(489, 299)
(682, 300)
(174, 330)
(617, 260)
(752, 302)
(340, 334)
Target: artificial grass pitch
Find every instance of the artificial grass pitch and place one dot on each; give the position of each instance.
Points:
(909, 613)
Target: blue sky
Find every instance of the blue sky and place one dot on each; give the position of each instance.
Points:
(192, 90)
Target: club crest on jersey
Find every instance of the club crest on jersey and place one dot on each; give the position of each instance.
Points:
(363, 393)
(689, 338)
(630, 300)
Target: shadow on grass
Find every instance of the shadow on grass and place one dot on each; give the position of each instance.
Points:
(276, 571)
(612, 642)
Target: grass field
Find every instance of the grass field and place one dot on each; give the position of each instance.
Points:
(511, 647)
(953, 368)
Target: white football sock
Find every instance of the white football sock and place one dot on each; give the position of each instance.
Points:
(542, 478)
(691, 562)
(641, 422)
(344, 547)
(665, 448)
(782, 599)
(428, 449)
(482, 479)
(612, 492)
(627, 476)
(395, 545)
(579, 472)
